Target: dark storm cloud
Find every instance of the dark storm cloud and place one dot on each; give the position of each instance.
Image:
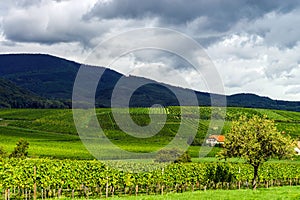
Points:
(50, 22)
(220, 14)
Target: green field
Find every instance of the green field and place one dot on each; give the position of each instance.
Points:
(262, 193)
(52, 133)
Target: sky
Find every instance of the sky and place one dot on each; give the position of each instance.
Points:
(254, 45)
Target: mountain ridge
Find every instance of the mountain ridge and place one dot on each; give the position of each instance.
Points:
(52, 77)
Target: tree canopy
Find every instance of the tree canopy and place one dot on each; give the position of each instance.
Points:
(256, 140)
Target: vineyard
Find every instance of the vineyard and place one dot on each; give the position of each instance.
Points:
(52, 133)
(47, 178)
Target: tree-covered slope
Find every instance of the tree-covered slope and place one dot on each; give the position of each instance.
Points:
(45, 75)
(12, 96)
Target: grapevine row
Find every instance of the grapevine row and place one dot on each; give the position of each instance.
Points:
(82, 178)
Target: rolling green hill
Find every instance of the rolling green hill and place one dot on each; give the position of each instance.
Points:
(52, 133)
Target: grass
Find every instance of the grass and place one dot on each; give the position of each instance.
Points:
(263, 193)
(273, 193)
(52, 133)
(296, 159)
(44, 144)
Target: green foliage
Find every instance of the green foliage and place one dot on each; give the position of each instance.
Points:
(3, 153)
(13, 96)
(184, 158)
(95, 176)
(172, 155)
(256, 140)
(219, 173)
(21, 149)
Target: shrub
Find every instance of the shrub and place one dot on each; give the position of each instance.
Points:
(219, 173)
(21, 149)
(3, 153)
(172, 155)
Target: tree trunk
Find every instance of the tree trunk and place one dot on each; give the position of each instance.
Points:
(255, 176)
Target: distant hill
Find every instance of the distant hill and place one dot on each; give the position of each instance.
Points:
(12, 96)
(45, 75)
(255, 101)
(51, 77)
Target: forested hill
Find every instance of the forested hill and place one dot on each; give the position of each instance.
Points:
(31, 78)
(255, 101)
(45, 75)
(12, 96)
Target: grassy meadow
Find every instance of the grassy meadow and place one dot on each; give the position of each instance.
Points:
(52, 133)
(285, 192)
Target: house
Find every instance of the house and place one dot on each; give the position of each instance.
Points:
(297, 149)
(212, 140)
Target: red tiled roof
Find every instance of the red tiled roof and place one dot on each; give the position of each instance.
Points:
(219, 138)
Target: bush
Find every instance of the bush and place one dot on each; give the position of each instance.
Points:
(21, 149)
(219, 173)
(172, 155)
(194, 141)
(3, 153)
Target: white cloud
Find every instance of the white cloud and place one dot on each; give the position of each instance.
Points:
(48, 22)
(277, 28)
(159, 66)
(247, 64)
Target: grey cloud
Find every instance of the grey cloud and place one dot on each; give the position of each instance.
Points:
(293, 90)
(46, 35)
(242, 80)
(275, 72)
(45, 25)
(168, 58)
(29, 33)
(221, 14)
(5, 6)
(276, 28)
(26, 32)
(26, 3)
(206, 21)
(8, 43)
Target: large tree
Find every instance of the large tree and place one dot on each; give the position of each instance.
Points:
(256, 140)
